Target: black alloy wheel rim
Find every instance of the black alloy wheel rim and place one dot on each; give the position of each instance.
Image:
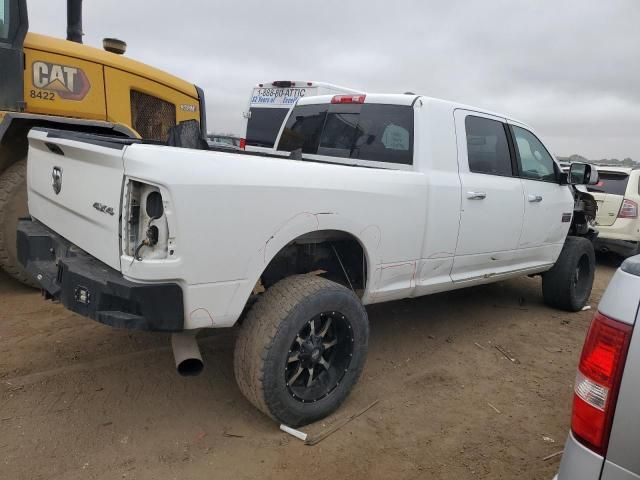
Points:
(319, 357)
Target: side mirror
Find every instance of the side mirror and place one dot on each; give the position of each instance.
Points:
(582, 174)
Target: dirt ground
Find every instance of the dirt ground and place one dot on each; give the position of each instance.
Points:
(79, 400)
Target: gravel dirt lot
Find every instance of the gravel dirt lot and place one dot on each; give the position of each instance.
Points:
(79, 400)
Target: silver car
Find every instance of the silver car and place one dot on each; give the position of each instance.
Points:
(604, 442)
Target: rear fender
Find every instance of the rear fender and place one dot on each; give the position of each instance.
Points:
(301, 224)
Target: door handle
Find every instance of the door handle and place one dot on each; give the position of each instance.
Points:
(534, 198)
(476, 195)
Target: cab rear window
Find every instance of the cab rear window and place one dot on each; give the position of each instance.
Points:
(376, 132)
(610, 182)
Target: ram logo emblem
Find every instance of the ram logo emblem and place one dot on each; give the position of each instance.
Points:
(56, 180)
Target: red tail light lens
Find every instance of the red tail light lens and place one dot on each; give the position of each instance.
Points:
(629, 209)
(598, 381)
(348, 99)
(243, 143)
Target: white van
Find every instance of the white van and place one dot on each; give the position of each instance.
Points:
(269, 104)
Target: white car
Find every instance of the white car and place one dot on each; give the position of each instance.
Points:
(618, 195)
(381, 197)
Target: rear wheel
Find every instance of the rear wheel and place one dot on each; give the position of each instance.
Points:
(13, 205)
(568, 284)
(301, 349)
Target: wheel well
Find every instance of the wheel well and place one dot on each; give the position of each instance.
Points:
(332, 254)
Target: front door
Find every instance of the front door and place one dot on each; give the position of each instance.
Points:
(548, 205)
(492, 199)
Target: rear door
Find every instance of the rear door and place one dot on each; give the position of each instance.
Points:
(548, 205)
(492, 199)
(609, 193)
(74, 188)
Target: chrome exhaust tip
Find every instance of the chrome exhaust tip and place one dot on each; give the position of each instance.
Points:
(186, 353)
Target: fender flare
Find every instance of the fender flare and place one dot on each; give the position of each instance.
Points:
(369, 237)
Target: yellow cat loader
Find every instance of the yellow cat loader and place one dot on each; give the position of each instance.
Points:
(46, 81)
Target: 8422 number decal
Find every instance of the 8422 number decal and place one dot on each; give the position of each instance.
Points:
(42, 95)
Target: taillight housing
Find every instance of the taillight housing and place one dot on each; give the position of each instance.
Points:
(628, 209)
(243, 143)
(348, 99)
(598, 381)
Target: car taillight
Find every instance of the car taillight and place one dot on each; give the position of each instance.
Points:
(243, 143)
(348, 99)
(598, 381)
(629, 209)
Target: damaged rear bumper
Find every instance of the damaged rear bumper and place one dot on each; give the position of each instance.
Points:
(87, 286)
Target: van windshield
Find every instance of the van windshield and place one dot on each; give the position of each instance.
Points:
(610, 182)
(263, 126)
(376, 132)
(4, 19)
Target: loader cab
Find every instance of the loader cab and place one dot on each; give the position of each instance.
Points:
(13, 29)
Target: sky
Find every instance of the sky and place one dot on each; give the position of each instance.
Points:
(569, 68)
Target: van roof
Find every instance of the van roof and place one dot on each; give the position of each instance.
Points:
(305, 83)
(408, 99)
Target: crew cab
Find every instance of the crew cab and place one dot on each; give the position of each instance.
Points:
(375, 198)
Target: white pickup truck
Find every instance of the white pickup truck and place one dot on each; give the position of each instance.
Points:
(375, 198)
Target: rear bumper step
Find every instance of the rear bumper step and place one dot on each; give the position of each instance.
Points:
(87, 286)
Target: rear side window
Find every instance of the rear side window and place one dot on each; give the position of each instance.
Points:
(610, 182)
(263, 126)
(487, 146)
(376, 132)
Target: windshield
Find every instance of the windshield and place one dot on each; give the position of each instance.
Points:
(4, 19)
(610, 182)
(263, 126)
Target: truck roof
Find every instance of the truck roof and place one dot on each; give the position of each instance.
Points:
(409, 99)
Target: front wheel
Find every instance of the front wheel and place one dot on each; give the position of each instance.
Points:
(568, 284)
(301, 349)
